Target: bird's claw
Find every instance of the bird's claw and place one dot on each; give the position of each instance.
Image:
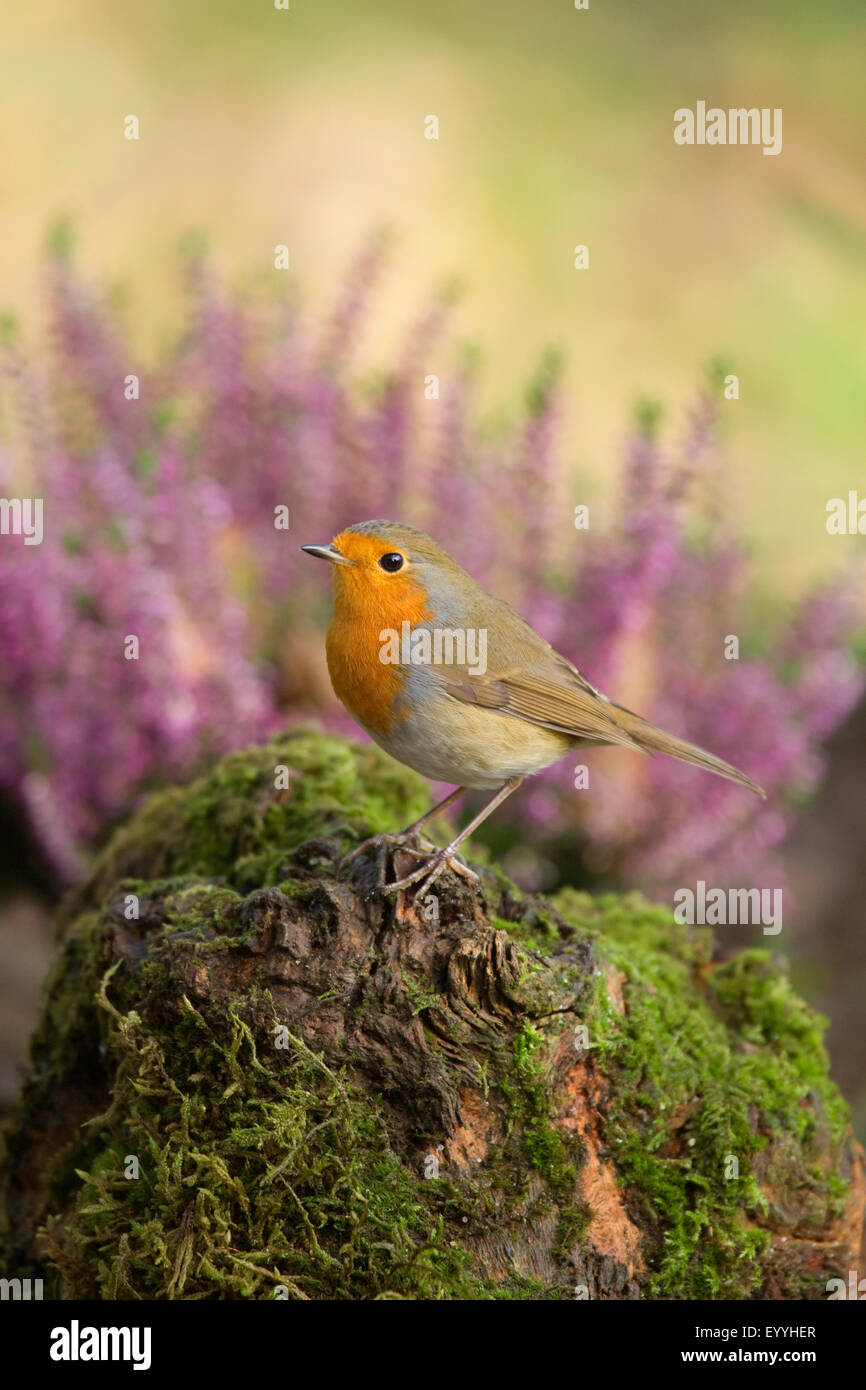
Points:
(403, 842)
(436, 862)
(427, 874)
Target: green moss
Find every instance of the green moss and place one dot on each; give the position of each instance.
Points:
(524, 1081)
(235, 825)
(255, 1173)
(263, 1167)
(526, 1086)
(69, 1036)
(420, 999)
(537, 929)
(710, 1064)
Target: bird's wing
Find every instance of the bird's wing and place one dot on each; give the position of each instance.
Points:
(528, 679)
(556, 697)
(559, 697)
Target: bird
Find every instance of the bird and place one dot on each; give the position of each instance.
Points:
(453, 682)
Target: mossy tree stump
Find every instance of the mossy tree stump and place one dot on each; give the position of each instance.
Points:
(276, 1082)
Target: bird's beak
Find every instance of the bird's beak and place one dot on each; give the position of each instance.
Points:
(327, 552)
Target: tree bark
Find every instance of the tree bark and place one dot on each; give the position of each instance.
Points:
(276, 1081)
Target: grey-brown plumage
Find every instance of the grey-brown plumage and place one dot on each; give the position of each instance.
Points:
(526, 681)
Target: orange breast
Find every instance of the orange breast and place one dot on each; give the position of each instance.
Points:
(367, 686)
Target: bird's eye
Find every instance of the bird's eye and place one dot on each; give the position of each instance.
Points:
(391, 562)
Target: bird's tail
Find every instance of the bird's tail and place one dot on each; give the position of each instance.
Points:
(657, 740)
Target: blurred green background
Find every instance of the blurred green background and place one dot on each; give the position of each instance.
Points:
(261, 126)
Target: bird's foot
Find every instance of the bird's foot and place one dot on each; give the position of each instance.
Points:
(415, 844)
(426, 874)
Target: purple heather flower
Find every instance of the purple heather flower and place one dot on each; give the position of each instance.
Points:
(160, 525)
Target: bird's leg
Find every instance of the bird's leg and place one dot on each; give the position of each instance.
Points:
(440, 806)
(401, 841)
(446, 858)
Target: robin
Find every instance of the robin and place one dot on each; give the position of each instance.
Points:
(454, 683)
